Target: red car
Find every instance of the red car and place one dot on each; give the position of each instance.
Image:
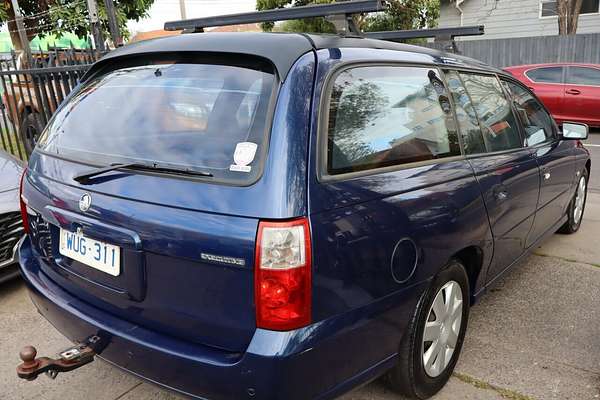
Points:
(570, 91)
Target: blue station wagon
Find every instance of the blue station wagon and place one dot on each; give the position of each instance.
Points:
(288, 216)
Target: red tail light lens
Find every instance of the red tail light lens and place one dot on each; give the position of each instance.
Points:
(283, 275)
(23, 203)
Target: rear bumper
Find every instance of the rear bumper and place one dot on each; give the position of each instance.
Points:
(320, 361)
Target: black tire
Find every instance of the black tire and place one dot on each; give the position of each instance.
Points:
(573, 223)
(30, 130)
(409, 377)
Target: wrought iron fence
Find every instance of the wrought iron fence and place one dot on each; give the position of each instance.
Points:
(32, 91)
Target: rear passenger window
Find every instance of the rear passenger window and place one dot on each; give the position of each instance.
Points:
(546, 75)
(583, 76)
(500, 129)
(473, 142)
(538, 124)
(384, 116)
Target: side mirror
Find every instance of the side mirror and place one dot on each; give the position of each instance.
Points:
(574, 131)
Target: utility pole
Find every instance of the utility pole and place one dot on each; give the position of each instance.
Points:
(182, 9)
(22, 32)
(95, 25)
(112, 23)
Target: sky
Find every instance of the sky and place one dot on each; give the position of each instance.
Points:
(168, 10)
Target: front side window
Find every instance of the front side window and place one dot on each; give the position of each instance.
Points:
(383, 116)
(536, 121)
(546, 75)
(500, 129)
(466, 116)
(179, 114)
(583, 76)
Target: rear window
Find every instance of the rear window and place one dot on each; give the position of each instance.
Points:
(210, 117)
(546, 75)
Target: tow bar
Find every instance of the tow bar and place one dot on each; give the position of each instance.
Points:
(69, 360)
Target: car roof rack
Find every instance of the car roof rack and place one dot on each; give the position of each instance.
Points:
(340, 14)
(440, 34)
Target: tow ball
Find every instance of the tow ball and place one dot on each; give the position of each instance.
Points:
(68, 360)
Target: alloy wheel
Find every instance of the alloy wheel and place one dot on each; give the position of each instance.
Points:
(579, 201)
(442, 328)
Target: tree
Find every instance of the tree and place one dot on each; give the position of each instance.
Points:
(60, 16)
(568, 16)
(402, 14)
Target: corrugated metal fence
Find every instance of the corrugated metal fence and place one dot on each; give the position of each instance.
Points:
(532, 50)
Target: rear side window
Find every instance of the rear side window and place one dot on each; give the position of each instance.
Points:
(466, 116)
(546, 74)
(536, 121)
(383, 116)
(174, 113)
(500, 129)
(583, 76)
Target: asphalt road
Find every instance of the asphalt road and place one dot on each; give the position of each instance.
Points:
(534, 336)
(593, 145)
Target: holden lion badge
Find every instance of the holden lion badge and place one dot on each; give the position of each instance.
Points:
(243, 156)
(85, 202)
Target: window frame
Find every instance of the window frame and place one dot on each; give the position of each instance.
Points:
(556, 16)
(554, 136)
(323, 175)
(568, 69)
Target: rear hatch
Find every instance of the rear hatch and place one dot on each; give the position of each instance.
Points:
(167, 238)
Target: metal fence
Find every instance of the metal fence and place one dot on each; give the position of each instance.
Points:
(32, 91)
(531, 50)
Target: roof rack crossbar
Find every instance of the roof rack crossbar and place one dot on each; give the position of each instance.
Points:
(440, 34)
(333, 12)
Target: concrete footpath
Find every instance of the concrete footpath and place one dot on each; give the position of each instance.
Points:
(535, 335)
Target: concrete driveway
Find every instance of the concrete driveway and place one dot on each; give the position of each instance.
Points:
(535, 335)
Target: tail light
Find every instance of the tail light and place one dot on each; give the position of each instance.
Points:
(23, 203)
(283, 275)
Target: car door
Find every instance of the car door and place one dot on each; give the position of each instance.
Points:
(582, 94)
(507, 171)
(555, 159)
(548, 85)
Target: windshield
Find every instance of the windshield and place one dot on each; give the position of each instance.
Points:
(204, 117)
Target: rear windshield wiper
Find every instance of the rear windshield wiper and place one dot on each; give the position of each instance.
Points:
(86, 176)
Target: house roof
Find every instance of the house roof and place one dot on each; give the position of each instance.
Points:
(238, 28)
(140, 36)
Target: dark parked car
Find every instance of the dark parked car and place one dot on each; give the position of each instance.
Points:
(570, 91)
(11, 227)
(286, 216)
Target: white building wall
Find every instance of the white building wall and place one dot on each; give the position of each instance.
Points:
(508, 18)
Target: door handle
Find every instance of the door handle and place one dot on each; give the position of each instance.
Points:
(546, 174)
(501, 195)
(574, 92)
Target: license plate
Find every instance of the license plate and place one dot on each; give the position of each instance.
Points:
(93, 253)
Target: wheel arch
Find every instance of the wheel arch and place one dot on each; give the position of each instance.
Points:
(472, 258)
(588, 166)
